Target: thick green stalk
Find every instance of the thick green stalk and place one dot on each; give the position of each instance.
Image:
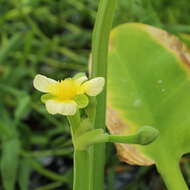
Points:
(99, 68)
(81, 170)
(82, 159)
(171, 173)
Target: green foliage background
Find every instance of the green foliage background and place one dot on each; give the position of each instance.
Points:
(54, 38)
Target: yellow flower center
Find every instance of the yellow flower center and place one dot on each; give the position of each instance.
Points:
(65, 90)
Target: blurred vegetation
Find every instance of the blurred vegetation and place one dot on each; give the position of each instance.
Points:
(54, 38)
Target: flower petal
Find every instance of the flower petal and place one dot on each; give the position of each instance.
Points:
(82, 79)
(64, 108)
(41, 82)
(94, 86)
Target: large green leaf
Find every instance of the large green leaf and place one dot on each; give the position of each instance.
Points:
(149, 85)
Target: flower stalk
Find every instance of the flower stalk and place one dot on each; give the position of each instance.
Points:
(82, 178)
(100, 43)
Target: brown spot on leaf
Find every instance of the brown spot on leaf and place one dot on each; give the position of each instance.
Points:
(127, 153)
(171, 42)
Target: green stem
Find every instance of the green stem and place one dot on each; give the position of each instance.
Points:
(145, 135)
(99, 68)
(82, 159)
(81, 170)
(171, 173)
(131, 139)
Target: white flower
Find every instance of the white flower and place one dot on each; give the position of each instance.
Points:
(66, 96)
